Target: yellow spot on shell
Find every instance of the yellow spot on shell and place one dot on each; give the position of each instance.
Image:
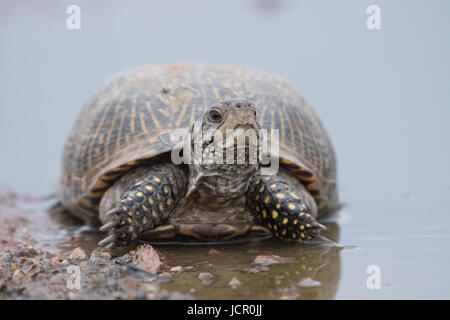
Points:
(291, 206)
(302, 227)
(165, 189)
(129, 220)
(295, 221)
(161, 208)
(140, 194)
(130, 228)
(157, 179)
(294, 236)
(144, 207)
(280, 195)
(269, 225)
(266, 199)
(150, 200)
(274, 214)
(275, 227)
(144, 221)
(264, 214)
(273, 186)
(257, 197)
(301, 214)
(308, 225)
(261, 189)
(154, 213)
(257, 208)
(285, 221)
(149, 188)
(278, 206)
(302, 235)
(283, 232)
(169, 202)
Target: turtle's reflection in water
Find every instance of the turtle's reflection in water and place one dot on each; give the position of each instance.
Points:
(303, 271)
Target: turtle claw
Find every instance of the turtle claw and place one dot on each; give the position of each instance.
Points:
(108, 226)
(110, 246)
(107, 241)
(319, 226)
(112, 211)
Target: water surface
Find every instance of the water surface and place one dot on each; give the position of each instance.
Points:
(382, 95)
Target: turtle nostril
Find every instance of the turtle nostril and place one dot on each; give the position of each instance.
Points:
(238, 105)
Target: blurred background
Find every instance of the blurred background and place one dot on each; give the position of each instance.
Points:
(383, 95)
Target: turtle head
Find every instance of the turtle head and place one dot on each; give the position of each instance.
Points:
(225, 144)
(227, 121)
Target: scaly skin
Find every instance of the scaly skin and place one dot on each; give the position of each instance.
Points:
(282, 209)
(151, 195)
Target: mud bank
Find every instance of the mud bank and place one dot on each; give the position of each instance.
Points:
(44, 256)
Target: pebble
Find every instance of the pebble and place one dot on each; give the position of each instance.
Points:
(213, 252)
(176, 269)
(273, 259)
(234, 283)
(166, 275)
(308, 283)
(205, 276)
(77, 254)
(146, 258)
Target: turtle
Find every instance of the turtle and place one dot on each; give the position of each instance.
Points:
(121, 168)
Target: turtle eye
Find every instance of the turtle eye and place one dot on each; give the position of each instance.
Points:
(215, 115)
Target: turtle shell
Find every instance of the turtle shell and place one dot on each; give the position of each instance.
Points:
(131, 118)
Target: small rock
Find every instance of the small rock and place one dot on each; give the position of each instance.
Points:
(166, 275)
(176, 269)
(213, 252)
(26, 250)
(147, 258)
(207, 282)
(308, 283)
(206, 277)
(94, 278)
(19, 277)
(234, 283)
(78, 254)
(250, 270)
(54, 262)
(273, 259)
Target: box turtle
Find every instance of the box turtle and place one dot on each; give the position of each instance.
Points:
(118, 167)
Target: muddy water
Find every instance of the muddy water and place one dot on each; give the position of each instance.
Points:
(383, 96)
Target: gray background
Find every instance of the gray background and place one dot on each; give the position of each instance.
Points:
(382, 95)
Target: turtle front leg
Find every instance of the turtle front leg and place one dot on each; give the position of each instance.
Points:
(140, 200)
(288, 211)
